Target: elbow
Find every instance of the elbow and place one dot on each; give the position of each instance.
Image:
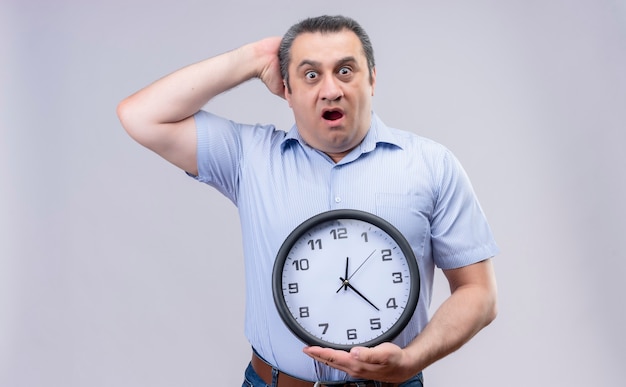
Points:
(125, 115)
(491, 310)
(130, 117)
(493, 313)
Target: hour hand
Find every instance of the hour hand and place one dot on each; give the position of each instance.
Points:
(345, 282)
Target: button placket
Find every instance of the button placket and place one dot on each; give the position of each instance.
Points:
(335, 196)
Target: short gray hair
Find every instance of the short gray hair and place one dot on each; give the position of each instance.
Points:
(322, 24)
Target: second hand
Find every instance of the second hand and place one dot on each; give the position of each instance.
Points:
(361, 265)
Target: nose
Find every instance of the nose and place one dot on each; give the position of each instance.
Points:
(330, 89)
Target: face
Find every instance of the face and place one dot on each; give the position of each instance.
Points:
(331, 91)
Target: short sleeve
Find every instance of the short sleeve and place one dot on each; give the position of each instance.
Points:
(460, 234)
(218, 153)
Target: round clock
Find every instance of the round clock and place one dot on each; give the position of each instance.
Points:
(345, 278)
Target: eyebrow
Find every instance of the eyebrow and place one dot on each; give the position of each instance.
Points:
(313, 63)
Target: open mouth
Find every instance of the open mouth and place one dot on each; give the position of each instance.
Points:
(332, 115)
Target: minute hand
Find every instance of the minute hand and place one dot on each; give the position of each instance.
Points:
(348, 284)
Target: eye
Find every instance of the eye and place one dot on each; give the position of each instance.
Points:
(310, 75)
(345, 71)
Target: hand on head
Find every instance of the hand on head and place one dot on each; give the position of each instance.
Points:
(270, 72)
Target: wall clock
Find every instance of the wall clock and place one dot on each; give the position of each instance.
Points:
(345, 278)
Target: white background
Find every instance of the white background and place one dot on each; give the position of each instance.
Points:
(118, 270)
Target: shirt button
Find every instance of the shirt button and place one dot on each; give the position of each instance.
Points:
(337, 199)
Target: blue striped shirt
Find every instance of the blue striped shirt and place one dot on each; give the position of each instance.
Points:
(277, 181)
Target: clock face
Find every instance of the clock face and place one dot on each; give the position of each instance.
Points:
(345, 278)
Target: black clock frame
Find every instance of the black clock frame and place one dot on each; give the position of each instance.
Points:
(333, 215)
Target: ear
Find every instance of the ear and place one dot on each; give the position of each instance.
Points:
(373, 80)
(287, 93)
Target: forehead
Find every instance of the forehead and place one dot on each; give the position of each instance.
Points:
(327, 47)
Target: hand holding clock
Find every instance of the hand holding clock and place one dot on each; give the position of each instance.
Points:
(385, 362)
(351, 338)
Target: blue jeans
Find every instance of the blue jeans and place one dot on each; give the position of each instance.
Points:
(253, 380)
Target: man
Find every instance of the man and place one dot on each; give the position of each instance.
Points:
(339, 154)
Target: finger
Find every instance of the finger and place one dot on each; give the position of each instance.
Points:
(379, 355)
(328, 356)
(366, 355)
(319, 353)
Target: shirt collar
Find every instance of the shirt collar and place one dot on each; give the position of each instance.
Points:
(377, 134)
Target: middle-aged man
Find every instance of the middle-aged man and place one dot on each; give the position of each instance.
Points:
(338, 155)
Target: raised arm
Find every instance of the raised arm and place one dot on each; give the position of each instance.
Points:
(160, 116)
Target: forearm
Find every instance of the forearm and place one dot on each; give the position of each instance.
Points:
(458, 319)
(184, 92)
(160, 116)
(470, 307)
